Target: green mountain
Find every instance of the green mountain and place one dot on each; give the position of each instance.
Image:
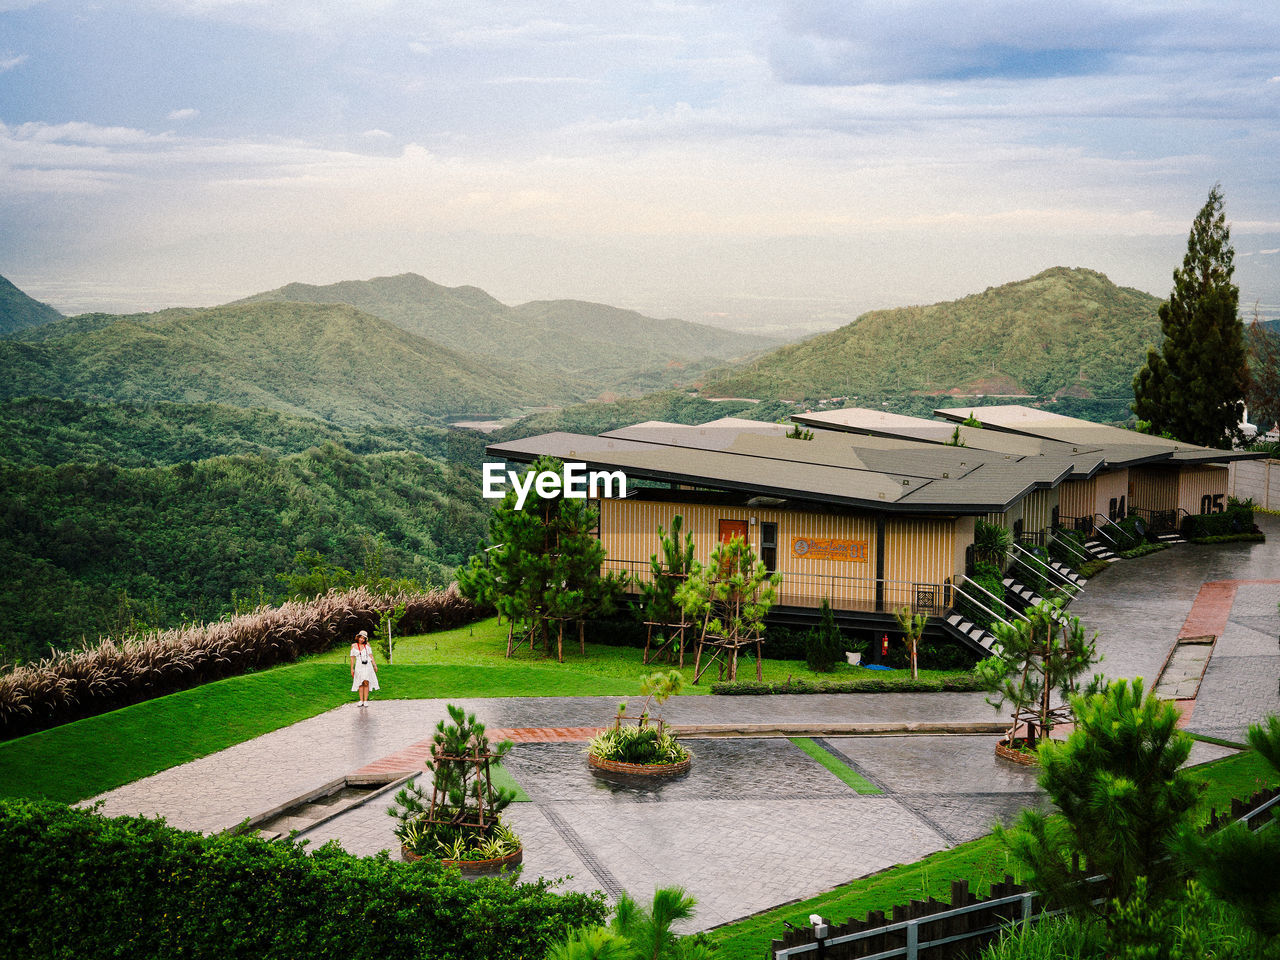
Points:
(42, 431)
(93, 549)
(20, 312)
(604, 347)
(1064, 332)
(325, 361)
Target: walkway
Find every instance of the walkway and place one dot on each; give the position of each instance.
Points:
(757, 822)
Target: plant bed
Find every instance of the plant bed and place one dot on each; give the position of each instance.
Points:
(642, 749)
(1017, 751)
(473, 868)
(1255, 536)
(641, 769)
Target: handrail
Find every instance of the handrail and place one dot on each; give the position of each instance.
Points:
(980, 605)
(868, 594)
(1049, 569)
(1004, 603)
(1070, 543)
(1101, 528)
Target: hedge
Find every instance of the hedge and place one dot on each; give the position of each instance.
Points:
(81, 885)
(872, 683)
(71, 685)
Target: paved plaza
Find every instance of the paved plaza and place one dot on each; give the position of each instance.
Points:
(757, 822)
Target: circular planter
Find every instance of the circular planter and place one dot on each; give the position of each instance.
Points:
(640, 769)
(472, 868)
(1009, 752)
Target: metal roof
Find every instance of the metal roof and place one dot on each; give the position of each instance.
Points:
(1122, 447)
(865, 423)
(899, 476)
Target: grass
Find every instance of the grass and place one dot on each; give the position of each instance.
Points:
(856, 781)
(83, 759)
(980, 861)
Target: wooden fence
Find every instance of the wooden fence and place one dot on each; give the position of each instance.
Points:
(936, 930)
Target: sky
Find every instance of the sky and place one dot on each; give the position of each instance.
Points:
(780, 166)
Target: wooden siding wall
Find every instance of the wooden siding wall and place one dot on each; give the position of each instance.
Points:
(1009, 517)
(1196, 483)
(1112, 483)
(1037, 511)
(1076, 497)
(924, 551)
(963, 541)
(919, 552)
(1153, 488)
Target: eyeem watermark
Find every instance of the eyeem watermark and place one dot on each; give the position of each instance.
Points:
(574, 483)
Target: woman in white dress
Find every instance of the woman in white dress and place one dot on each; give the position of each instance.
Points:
(364, 672)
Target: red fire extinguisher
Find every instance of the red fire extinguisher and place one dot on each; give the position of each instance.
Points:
(884, 645)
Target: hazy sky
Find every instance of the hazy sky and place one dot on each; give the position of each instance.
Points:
(786, 162)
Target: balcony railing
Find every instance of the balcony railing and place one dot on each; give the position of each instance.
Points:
(854, 594)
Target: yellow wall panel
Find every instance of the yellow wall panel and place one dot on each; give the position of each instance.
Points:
(1196, 483)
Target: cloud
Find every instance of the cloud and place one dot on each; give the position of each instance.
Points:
(186, 113)
(889, 41)
(375, 133)
(9, 62)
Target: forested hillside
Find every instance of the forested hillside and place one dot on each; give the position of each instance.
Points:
(1062, 332)
(90, 549)
(326, 361)
(41, 431)
(610, 349)
(20, 312)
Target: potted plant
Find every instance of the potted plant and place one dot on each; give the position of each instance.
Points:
(643, 748)
(1036, 666)
(460, 822)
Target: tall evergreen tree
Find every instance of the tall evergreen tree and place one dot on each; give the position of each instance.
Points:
(1193, 386)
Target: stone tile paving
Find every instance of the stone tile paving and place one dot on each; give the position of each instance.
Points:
(758, 822)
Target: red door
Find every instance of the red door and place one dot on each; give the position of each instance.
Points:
(733, 528)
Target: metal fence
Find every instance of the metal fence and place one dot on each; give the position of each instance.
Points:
(934, 930)
(855, 594)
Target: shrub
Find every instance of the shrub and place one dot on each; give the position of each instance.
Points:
(978, 609)
(79, 884)
(824, 646)
(1236, 519)
(874, 681)
(71, 685)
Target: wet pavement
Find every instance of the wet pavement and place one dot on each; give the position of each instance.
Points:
(757, 822)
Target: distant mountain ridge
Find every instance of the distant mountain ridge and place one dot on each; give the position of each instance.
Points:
(1064, 332)
(327, 361)
(18, 311)
(603, 346)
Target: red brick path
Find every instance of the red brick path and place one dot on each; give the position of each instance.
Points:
(413, 758)
(1208, 618)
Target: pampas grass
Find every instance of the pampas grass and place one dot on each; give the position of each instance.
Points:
(116, 672)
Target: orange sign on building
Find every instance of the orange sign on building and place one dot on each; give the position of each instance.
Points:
(813, 548)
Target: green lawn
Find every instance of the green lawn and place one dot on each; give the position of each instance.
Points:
(88, 757)
(856, 781)
(980, 861)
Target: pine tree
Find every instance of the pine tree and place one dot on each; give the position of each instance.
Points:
(544, 563)
(1193, 387)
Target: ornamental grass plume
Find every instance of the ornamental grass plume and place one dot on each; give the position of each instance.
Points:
(69, 685)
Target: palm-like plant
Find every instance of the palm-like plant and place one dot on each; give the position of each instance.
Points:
(637, 933)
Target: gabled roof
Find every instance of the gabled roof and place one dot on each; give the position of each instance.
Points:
(1122, 447)
(885, 475)
(866, 423)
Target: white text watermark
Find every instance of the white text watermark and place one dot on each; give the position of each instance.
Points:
(575, 482)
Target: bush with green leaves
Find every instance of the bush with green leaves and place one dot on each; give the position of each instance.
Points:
(868, 681)
(824, 644)
(643, 743)
(460, 819)
(82, 885)
(1035, 666)
(1237, 518)
(991, 543)
(1241, 866)
(978, 605)
(638, 933)
(1123, 795)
